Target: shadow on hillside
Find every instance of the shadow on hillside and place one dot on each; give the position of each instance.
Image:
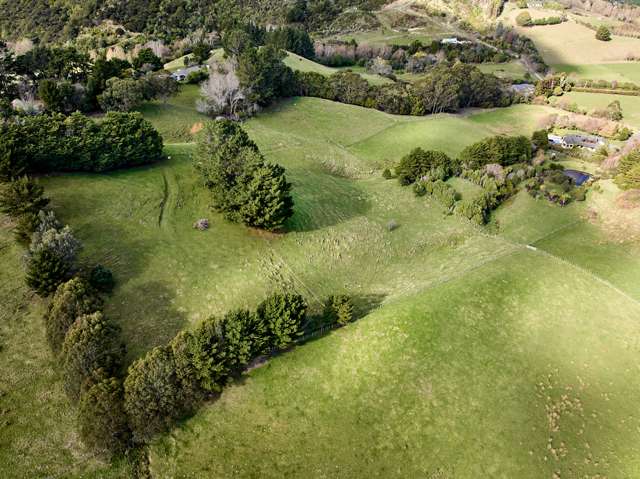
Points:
(147, 315)
(325, 203)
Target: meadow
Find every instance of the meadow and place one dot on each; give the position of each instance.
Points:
(479, 352)
(599, 101)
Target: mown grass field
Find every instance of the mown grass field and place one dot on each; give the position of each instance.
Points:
(476, 355)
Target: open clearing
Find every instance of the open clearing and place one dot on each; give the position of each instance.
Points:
(572, 48)
(476, 356)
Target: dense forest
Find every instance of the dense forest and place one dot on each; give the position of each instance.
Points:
(168, 19)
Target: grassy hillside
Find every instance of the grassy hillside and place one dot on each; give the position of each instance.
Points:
(477, 355)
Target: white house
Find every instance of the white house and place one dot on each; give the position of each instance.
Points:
(183, 73)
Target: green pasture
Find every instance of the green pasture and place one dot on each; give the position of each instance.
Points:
(500, 352)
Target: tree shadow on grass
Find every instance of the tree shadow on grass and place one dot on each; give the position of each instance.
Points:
(147, 315)
(321, 201)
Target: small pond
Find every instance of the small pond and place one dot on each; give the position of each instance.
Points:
(579, 177)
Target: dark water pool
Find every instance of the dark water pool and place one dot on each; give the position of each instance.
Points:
(579, 177)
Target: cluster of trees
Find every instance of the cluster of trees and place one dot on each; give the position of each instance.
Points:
(64, 80)
(628, 172)
(443, 89)
(245, 187)
(416, 57)
(47, 143)
(497, 164)
(90, 351)
(500, 150)
(524, 19)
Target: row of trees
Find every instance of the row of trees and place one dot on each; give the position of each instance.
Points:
(244, 186)
(443, 89)
(47, 143)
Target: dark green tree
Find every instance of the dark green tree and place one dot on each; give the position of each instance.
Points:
(70, 301)
(284, 316)
(153, 396)
(264, 196)
(22, 196)
(92, 347)
(540, 139)
(46, 270)
(146, 58)
(421, 163)
(339, 310)
(603, 33)
(102, 419)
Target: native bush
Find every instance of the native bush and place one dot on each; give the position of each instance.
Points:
(283, 316)
(70, 301)
(92, 348)
(102, 419)
(153, 396)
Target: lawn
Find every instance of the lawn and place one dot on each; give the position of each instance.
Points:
(512, 70)
(468, 342)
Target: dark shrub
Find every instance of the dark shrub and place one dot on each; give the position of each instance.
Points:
(71, 300)
(92, 347)
(46, 270)
(540, 139)
(101, 278)
(102, 418)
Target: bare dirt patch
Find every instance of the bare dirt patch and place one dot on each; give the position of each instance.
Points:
(196, 128)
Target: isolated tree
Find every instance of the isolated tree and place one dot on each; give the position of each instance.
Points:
(70, 301)
(603, 33)
(102, 419)
(92, 348)
(21, 196)
(222, 94)
(339, 310)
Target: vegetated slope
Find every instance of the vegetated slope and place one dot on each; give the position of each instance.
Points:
(477, 12)
(473, 342)
(62, 19)
(38, 435)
